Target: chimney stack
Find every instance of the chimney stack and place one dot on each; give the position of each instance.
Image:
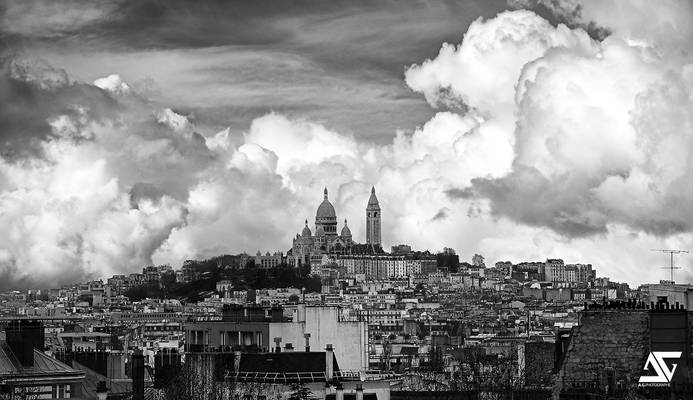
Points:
(277, 345)
(307, 336)
(359, 391)
(329, 362)
(116, 365)
(137, 375)
(288, 347)
(340, 392)
(23, 336)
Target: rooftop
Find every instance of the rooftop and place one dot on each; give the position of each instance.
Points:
(45, 367)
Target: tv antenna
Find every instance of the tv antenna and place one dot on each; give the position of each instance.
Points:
(671, 266)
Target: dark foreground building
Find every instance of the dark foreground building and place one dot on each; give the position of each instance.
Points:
(27, 372)
(625, 349)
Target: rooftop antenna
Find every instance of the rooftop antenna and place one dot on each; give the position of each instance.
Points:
(671, 266)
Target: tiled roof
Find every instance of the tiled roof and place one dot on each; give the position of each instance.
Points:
(8, 362)
(45, 363)
(92, 378)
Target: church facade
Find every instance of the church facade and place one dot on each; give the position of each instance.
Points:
(326, 239)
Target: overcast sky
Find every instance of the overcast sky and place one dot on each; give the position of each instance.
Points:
(149, 132)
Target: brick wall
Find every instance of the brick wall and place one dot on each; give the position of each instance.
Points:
(608, 346)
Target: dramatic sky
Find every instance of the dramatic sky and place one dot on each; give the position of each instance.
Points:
(151, 132)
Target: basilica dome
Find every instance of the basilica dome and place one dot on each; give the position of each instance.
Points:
(306, 231)
(325, 210)
(346, 232)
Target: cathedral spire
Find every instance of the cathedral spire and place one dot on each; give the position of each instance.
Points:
(325, 192)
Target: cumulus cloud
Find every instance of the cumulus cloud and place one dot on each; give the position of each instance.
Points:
(668, 28)
(66, 219)
(483, 70)
(582, 146)
(577, 108)
(112, 83)
(90, 199)
(600, 143)
(33, 96)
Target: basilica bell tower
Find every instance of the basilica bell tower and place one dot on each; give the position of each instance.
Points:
(373, 220)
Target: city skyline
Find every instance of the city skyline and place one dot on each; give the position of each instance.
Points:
(147, 133)
(346, 199)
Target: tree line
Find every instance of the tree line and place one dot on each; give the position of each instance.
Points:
(212, 271)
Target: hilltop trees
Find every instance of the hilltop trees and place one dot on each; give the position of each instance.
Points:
(209, 272)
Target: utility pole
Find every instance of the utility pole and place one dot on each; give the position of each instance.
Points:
(671, 253)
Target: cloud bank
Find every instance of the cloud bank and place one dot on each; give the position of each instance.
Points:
(549, 140)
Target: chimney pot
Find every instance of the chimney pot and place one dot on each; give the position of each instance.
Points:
(339, 394)
(307, 336)
(329, 362)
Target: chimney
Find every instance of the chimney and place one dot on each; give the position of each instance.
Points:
(277, 314)
(23, 336)
(137, 375)
(277, 345)
(288, 347)
(116, 365)
(359, 391)
(329, 362)
(307, 336)
(340, 392)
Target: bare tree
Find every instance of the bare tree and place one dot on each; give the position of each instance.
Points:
(193, 383)
(300, 392)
